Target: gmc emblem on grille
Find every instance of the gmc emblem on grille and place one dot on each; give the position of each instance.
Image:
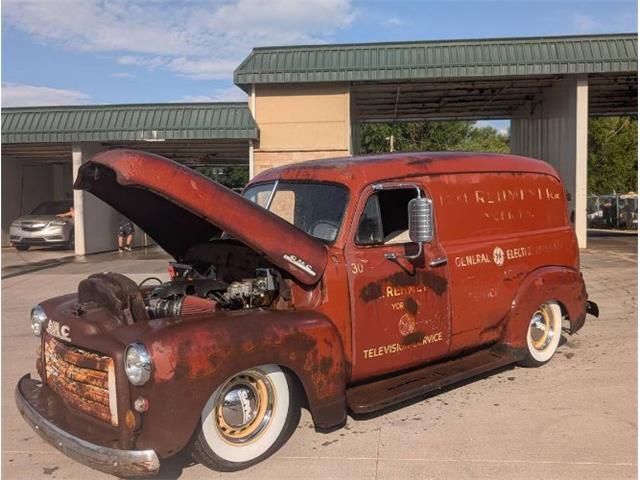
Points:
(60, 331)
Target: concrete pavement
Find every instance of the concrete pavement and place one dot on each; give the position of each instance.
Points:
(574, 418)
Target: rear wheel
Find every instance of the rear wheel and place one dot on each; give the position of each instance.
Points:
(543, 334)
(249, 417)
(22, 248)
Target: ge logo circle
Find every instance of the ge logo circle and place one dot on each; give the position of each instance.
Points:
(498, 256)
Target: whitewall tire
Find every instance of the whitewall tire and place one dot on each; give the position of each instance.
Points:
(544, 331)
(247, 419)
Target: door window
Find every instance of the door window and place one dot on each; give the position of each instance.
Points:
(385, 219)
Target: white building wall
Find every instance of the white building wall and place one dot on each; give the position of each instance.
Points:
(11, 191)
(554, 129)
(96, 223)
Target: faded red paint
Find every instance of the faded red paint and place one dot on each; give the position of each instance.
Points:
(214, 202)
(500, 221)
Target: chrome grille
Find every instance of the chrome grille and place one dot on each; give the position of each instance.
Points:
(32, 226)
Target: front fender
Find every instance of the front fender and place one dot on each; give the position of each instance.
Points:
(192, 358)
(560, 284)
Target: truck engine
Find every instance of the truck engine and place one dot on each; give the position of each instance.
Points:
(190, 292)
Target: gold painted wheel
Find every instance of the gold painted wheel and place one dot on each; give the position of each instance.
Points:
(541, 328)
(543, 334)
(244, 407)
(247, 418)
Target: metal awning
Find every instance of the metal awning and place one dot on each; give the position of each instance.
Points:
(383, 62)
(456, 79)
(117, 123)
(216, 134)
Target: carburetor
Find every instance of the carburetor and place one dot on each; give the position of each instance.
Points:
(252, 292)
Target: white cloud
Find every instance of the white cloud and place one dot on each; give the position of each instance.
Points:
(204, 39)
(202, 68)
(230, 94)
(612, 23)
(139, 61)
(500, 126)
(122, 75)
(17, 95)
(585, 23)
(393, 22)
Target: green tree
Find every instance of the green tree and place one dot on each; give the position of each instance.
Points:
(232, 177)
(613, 155)
(432, 136)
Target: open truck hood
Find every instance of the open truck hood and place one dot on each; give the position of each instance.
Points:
(180, 208)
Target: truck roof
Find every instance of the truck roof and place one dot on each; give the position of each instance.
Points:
(366, 169)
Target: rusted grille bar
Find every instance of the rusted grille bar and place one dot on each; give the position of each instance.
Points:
(82, 379)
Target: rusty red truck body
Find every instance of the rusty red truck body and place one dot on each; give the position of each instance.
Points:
(347, 285)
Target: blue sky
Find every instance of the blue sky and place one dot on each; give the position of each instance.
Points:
(140, 51)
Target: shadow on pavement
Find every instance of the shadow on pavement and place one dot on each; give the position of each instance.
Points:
(612, 240)
(26, 267)
(22, 269)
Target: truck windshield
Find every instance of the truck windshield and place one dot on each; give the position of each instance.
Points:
(315, 208)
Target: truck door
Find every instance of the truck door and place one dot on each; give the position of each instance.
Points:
(399, 307)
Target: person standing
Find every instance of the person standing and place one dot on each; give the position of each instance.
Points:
(125, 235)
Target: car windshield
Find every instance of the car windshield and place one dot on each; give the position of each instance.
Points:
(315, 208)
(52, 208)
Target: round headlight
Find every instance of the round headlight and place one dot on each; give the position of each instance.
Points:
(137, 364)
(38, 317)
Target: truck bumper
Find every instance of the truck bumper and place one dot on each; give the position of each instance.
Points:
(122, 463)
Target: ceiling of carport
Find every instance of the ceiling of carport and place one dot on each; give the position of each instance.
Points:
(477, 99)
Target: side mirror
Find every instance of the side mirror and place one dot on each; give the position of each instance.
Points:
(420, 220)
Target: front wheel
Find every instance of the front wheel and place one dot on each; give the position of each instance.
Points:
(543, 334)
(249, 417)
(22, 248)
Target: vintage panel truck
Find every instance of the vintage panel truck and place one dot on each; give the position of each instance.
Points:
(347, 285)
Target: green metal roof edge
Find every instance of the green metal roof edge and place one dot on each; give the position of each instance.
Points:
(247, 131)
(99, 106)
(401, 43)
(244, 77)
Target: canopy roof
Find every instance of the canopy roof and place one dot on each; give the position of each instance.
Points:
(440, 59)
(143, 122)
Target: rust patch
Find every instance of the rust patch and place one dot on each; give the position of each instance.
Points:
(429, 279)
(69, 373)
(419, 161)
(411, 306)
(163, 361)
(435, 282)
(371, 291)
(415, 337)
(325, 364)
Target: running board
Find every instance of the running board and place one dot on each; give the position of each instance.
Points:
(379, 394)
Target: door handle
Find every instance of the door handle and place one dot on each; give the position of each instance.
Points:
(438, 262)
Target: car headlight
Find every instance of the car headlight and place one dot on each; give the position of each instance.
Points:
(58, 223)
(137, 364)
(38, 318)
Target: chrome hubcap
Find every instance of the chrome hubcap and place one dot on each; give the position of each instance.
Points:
(244, 407)
(541, 328)
(240, 406)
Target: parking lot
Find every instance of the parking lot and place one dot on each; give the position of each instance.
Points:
(574, 418)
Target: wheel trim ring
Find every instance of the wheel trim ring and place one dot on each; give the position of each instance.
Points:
(254, 428)
(542, 342)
